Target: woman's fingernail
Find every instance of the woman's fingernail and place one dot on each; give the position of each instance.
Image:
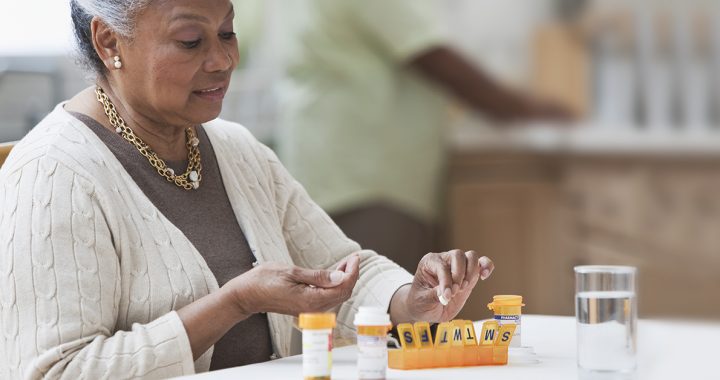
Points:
(484, 261)
(465, 284)
(485, 274)
(336, 277)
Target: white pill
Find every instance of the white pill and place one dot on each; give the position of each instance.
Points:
(443, 301)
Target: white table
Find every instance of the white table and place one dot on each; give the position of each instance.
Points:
(661, 355)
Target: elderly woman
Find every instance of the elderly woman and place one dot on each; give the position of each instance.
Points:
(142, 237)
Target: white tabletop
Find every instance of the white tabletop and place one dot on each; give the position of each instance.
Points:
(666, 350)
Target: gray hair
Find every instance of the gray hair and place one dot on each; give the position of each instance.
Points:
(118, 15)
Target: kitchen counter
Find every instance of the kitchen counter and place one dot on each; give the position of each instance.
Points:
(467, 136)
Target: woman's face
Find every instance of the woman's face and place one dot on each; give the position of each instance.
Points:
(176, 68)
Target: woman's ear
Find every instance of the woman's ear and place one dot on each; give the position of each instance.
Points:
(105, 41)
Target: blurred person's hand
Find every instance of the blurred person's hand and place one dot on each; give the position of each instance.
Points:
(452, 275)
(291, 290)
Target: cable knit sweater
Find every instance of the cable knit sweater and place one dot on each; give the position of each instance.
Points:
(91, 272)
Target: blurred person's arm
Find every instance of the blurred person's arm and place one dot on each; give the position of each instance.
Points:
(413, 33)
(446, 67)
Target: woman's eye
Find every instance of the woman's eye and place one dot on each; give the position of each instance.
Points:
(190, 44)
(227, 36)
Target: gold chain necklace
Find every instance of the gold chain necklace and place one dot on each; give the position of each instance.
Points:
(190, 180)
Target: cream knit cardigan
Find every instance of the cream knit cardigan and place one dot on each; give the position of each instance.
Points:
(91, 272)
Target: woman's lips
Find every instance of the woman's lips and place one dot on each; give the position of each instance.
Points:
(213, 94)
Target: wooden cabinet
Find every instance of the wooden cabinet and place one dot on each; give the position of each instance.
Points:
(537, 216)
(504, 206)
(660, 215)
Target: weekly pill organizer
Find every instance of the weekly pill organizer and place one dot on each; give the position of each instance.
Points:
(454, 345)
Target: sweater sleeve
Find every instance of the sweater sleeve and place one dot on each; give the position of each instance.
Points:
(60, 287)
(315, 241)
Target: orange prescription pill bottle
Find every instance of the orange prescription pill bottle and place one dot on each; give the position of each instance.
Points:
(317, 344)
(508, 309)
(373, 324)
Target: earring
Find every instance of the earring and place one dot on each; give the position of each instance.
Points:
(117, 63)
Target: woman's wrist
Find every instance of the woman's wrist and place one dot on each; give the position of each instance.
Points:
(207, 319)
(399, 310)
(237, 298)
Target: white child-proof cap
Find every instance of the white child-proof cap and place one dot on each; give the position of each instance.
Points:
(372, 316)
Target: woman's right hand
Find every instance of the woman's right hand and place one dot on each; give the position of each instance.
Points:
(291, 290)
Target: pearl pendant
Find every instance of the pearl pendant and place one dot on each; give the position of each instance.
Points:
(118, 130)
(195, 185)
(171, 172)
(193, 176)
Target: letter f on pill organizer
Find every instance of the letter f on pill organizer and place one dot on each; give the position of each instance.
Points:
(422, 331)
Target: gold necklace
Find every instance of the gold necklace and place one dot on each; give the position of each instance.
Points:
(190, 180)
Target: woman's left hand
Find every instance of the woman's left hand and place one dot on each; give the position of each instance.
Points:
(449, 275)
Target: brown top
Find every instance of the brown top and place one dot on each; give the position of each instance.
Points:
(206, 217)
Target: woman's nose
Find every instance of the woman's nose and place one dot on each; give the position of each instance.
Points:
(220, 58)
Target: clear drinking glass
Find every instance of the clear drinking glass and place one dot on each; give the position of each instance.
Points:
(606, 313)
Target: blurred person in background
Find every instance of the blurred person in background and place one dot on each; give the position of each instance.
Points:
(364, 104)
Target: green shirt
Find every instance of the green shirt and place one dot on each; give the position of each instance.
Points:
(357, 124)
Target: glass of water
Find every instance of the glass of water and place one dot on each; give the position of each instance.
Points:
(606, 312)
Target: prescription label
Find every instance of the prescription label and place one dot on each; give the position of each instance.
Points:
(372, 356)
(317, 353)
